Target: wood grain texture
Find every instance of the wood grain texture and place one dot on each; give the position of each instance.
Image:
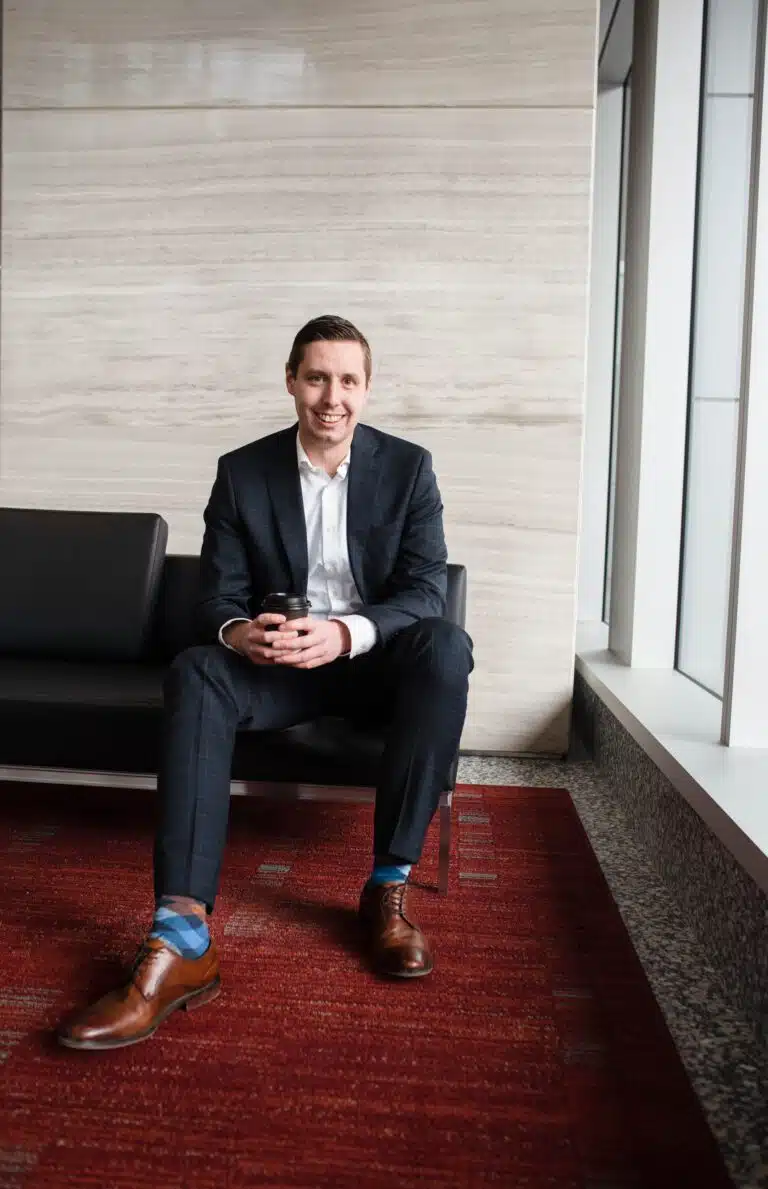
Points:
(155, 53)
(156, 265)
(164, 260)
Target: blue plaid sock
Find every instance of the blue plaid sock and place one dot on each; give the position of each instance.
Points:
(388, 870)
(186, 934)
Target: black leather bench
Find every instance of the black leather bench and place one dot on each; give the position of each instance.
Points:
(92, 610)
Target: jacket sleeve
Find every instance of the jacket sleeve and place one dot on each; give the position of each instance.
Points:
(225, 576)
(418, 584)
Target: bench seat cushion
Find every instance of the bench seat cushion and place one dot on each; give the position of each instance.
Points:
(107, 717)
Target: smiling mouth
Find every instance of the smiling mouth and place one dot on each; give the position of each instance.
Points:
(333, 419)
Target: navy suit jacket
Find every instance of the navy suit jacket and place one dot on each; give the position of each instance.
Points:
(255, 539)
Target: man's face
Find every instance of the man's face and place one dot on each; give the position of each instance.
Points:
(329, 391)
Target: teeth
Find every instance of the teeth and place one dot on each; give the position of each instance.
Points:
(329, 419)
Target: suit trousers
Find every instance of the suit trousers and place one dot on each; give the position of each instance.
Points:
(416, 683)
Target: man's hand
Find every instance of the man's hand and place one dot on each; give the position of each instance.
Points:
(252, 640)
(324, 640)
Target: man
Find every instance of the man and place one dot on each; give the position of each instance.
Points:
(352, 516)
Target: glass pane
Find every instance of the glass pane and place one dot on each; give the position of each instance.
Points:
(708, 533)
(723, 210)
(731, 46)
(718, 322)
(617, 347)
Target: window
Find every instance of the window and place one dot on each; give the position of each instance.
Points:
(617, 342)
(725, 158)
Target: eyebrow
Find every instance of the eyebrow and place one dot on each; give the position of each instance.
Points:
(318, 371)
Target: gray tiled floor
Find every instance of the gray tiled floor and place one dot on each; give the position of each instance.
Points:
(725, 1063)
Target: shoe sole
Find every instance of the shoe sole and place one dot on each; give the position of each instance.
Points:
(188, 1003)
(405, 973)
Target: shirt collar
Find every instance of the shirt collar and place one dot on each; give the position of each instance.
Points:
(305, 461)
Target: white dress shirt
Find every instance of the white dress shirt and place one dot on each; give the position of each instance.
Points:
(331, 588)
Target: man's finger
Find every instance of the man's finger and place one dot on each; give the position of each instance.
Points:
(300, 657)
(293, 657)
(258, 630)
(258, 655)
(286, 643)
(315, 664)
(281, 642)
(300, 625)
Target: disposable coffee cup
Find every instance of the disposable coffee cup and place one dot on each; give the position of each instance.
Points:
(292, 606)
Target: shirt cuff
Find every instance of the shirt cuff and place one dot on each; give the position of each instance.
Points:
(224, 626)
(362, 632)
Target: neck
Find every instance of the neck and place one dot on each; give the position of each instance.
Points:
(327, 457)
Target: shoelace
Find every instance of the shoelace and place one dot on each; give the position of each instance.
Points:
(145, 954)
(394, 899)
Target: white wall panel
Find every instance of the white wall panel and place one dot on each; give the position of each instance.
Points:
(187, 53)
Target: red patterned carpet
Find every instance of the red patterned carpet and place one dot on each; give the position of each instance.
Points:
(533, 1057)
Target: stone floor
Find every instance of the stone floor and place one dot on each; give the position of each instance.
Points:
(726, 1065)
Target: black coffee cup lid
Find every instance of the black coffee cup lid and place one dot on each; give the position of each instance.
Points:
(281, 602)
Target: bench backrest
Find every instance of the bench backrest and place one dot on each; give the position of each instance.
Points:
(79, 585)
(99, 586)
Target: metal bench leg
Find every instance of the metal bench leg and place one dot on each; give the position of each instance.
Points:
(444, 863)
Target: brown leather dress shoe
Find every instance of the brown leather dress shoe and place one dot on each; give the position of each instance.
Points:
(161, 981)
(397, 946)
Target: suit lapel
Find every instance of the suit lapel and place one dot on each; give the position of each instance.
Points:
(362, 489)
(288, 510)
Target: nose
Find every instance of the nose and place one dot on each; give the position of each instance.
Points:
(333, 393)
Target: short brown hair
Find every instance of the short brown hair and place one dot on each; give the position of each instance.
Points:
(328, 328)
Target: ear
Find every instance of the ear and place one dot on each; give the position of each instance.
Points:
(290, 380)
